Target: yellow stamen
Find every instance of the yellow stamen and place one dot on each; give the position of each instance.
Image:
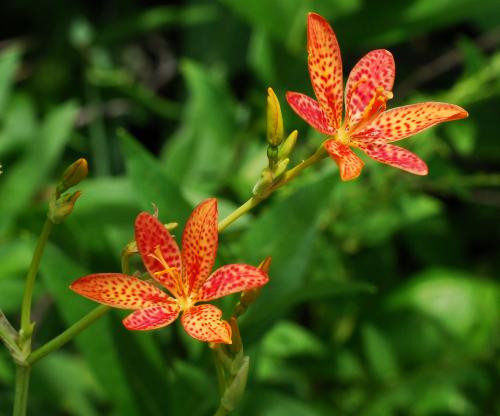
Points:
(376, 106)
(173, 272)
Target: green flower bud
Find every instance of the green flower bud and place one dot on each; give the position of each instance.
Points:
(274, 119)
(288, 145)
(73, 175)
(280, 167)
(60, 208)
(265, 181)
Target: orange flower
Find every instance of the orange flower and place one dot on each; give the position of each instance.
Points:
(366, 125)
(185, 275)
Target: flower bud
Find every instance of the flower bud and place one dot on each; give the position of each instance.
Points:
(280, 168)
(265, 181)
(274, 119)
(73, 175)
(60, 208)
(288, 145)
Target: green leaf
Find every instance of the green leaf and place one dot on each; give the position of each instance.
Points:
(96, 342)
(284, 20)
(199, 155)
(9, 62)
(287, 339)
(21, 181)
(467, 307)
(379, 354)
(152, 185)
(156, 18)
(66, 382)
(269, 402)
(285, 231)
(19, 124)
(104, 215)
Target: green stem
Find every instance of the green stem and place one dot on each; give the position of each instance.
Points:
(287, 177)
(69, 334)
(290, 174)
(221, 379)
(126, 263)
(9, 336)
(26, 327)
(78, 326)
(221, 411)
(21, 393)
(243, 209)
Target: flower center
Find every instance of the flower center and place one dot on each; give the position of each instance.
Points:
(186, 303)
(175, 282)
(343, 135)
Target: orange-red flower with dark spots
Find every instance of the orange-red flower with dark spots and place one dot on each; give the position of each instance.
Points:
(186, 276)
(366, 124)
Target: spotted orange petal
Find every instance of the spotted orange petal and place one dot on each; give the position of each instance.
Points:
(375, 69)
(232, 278)
(396, 156)
(119, 290)
(325, 67)
(151, 234)
(401, 122)
(203, 323)
(349, 164)
(199, 244)
(310, 110)
(153, 317)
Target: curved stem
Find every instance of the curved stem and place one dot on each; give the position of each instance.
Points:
(69, 334)
(238, 212)
(290, 174)
(125, 263)
(21, 392)
(26, 327)
(287, 177)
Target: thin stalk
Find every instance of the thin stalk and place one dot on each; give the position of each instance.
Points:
(238, 212)
(287, 177)
(221, 411)
(221, 379)
(69, 334)
(78, 326)
(26, 328)
(21, 392)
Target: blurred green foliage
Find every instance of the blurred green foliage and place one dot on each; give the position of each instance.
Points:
(384, 296)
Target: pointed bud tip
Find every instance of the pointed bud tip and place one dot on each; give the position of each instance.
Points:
(288, 145)
(76, 172)
(265, 264)
(274, 119)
